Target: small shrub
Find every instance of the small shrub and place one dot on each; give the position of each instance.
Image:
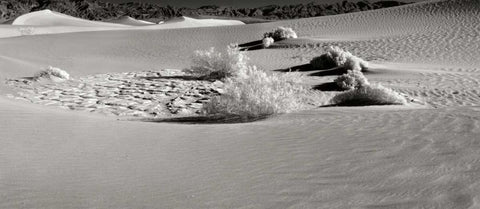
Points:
(255, 93)
(355, 63)
(351, 80)
(368, 95)
(52, 73)
(267, 42)
(337, 57)
(211, 64)
(281, 33)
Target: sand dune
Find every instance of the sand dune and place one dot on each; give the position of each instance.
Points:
(49, 22)
(414, 156)
(187, 22)
(51, 18)
(126, 20)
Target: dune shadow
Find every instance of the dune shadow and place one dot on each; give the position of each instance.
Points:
(215, 119)
(330, 86)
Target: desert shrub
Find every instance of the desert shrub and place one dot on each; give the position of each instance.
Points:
(368, 95)
(52, 73)
(337, 57)
(267, 42)
(281, 33)
(210, 64)
(355, 63)
(255, 93)
(351, 80)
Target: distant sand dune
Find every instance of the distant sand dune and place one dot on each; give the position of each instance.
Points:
(126, 20)
(50, 22)
(51, 18)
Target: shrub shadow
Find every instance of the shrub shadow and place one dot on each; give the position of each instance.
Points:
(332, 71)
(181, 77)
(360, 102)
(330, 86)
(28, 78)
(298, 68)
(251, 46)
(215, 119)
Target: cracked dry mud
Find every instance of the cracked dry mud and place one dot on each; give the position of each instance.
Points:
(163, 93)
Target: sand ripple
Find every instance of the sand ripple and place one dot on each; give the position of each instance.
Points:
(139, 94)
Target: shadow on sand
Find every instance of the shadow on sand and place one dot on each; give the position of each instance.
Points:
(330, 86)
(298, 68)
(216, 119)
(251, 46)
(180, 77)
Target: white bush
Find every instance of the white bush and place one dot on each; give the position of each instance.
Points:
(211, 64)
(355, 63)
(337, 57)
(351, 80)
(267, 42)
(368, 95)
(52, 73)
(281, 33)
(255, 93)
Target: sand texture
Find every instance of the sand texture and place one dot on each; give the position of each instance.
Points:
(81, 143)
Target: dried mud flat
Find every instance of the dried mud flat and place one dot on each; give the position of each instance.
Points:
(132, 94)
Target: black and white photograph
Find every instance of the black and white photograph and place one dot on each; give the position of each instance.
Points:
(239, 104)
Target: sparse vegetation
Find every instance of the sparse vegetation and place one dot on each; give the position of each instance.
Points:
(52, 73)
(368, 95)
(248, 91)
(255, 93)
(267, 42)
(351, 80)
(281, 33)
(337, 57)
(210, 64)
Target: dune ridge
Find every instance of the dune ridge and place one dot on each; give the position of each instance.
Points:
(126, 20)
(51, 18)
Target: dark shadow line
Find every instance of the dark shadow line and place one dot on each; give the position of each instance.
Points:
(250, 44)
(332, 71)
(252, 48)
(298, 68)
(330, 86)
(216, 119)
(28, 78)
(181, 77)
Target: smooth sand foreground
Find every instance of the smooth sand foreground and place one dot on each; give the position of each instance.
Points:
(413, 156)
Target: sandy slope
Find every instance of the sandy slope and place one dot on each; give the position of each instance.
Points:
(362, 157)
(126, 20)
(49, 22)
(51, 18)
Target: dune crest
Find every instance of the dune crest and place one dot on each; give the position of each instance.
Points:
(127, 20)
(51, 18)
(188, 22)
